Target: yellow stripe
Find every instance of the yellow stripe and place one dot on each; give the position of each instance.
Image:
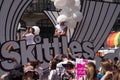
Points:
(116, 39)
(68, 51)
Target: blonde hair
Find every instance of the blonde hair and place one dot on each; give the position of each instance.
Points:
(91, 74)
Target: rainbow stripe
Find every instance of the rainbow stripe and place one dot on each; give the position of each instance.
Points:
(113, 39)
(8, 48)
(69, 51)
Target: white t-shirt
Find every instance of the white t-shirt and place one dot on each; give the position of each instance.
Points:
(40, 71)
(60, 28)
(30, 38)
(53, 75)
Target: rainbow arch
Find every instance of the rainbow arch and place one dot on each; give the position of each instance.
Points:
(113, 39)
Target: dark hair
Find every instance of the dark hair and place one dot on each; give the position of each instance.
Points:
(106, 66)
(35, 63)
(33, 30)
(116, 59)
(69, 65)
(63, 56)
(53, 64)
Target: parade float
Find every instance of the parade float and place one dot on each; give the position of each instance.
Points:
(94, 23)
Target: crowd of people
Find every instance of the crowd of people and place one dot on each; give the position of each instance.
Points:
(66, 70)
(63, 68)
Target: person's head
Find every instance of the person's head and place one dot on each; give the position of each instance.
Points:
(62, 23)
(106, 65)
(37, 63)
(116, 59)
(110, 61)
(52, 64)
(69, 65)
(29, 71)
(90, 70)
(31, 30)
(64, 57)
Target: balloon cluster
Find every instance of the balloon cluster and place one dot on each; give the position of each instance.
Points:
(70, 12)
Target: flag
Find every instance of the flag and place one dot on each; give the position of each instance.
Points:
(69, 51)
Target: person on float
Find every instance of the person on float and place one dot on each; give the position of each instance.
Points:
(60, 29)
(29, 35)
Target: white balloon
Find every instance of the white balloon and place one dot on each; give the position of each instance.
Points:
(66, 11)
(59, 4)
(77, 16)
(75, 9)
(77, 3)
(70, 12)
(70, 3)
(52, 0)
(37, 30)
(71, 23)
(62, 18)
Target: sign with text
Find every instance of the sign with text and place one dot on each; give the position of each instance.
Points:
(80, 67)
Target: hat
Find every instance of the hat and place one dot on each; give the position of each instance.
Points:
(68, 64)
(28, 69)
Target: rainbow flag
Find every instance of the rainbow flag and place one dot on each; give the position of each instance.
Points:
(8, 48)
(113, 39)
(69, 51)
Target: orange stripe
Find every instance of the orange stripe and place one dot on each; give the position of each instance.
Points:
(108, 40)
(112, 39)
(8, 47)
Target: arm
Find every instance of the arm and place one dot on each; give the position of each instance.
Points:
(56, 33)
(64, 32)
(50, 77)
(106, 75)
(26, 32)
